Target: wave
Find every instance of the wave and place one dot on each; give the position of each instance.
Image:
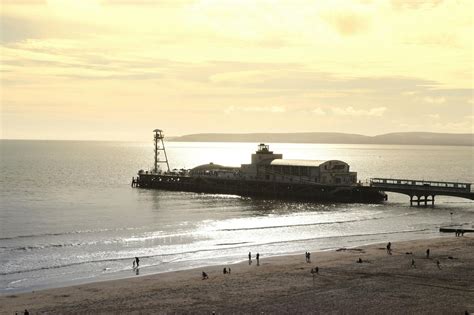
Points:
(68, 233)
(297, 225)
(35, 247)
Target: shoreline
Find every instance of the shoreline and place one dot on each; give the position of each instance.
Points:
(284, 283)
(154, 269)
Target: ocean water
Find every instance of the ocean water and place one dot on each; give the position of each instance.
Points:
(68, 214)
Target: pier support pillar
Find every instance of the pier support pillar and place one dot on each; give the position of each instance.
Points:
(411, 200)
(432, 200)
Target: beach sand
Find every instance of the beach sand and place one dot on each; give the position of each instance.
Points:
(382, 283)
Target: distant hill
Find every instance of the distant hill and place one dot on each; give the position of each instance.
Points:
(413, 138)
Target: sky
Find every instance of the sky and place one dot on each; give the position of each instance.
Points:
(117, 69)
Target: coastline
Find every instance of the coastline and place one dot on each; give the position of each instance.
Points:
(284, 284)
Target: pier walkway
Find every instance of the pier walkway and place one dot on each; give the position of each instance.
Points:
(422, 192)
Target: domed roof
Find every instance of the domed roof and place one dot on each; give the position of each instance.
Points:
(210, 166)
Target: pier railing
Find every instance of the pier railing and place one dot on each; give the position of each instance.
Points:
(422, 191)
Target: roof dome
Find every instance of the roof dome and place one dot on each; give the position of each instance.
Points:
(210, 166)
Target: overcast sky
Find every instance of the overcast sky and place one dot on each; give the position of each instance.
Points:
(117, 69)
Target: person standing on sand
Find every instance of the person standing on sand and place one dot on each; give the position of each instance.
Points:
(250, 258)
(204, 276)
(428, 253)
(389, 248)
(137, 261)
(258, 259)
(224, 271)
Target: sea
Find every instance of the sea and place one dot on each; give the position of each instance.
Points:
(68, 214)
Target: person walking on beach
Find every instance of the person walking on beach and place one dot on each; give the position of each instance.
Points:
(204, 276)
(309, 257)
(258, 259)
(428, 253)
(137, 261)
(225, 271)
(389, 248)
(250, 258)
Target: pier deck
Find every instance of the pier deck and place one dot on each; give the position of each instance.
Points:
(422, 192)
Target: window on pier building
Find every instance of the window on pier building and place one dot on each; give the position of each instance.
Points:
(305, 171)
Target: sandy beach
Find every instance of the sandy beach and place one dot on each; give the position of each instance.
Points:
(382, 283)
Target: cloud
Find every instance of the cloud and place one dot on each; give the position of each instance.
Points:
(434, 100)
(160, 3)
(15, 29)
(268, 109)
(318, 111)
(414, 4)
(433, 116)
(348, 23)
(15, 2)
(351, 111)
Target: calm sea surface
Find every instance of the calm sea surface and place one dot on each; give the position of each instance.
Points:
(68, 213)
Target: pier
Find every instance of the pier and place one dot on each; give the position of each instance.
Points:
(421, 192)
(269, 175)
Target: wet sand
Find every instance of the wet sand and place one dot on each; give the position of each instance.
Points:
(382, 283)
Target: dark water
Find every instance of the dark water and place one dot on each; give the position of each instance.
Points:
(68, 213)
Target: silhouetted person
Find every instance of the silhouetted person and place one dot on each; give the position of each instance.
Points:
(204, 276)
(428, 253)
(137, 261)
(133, 264)
(250, 258)
(309, 257)
(359, 261)
(224, 271)
(258, 259)
(26, 312)
(389, 248)
(316, 270)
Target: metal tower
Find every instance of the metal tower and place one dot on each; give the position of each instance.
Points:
(159, 136)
